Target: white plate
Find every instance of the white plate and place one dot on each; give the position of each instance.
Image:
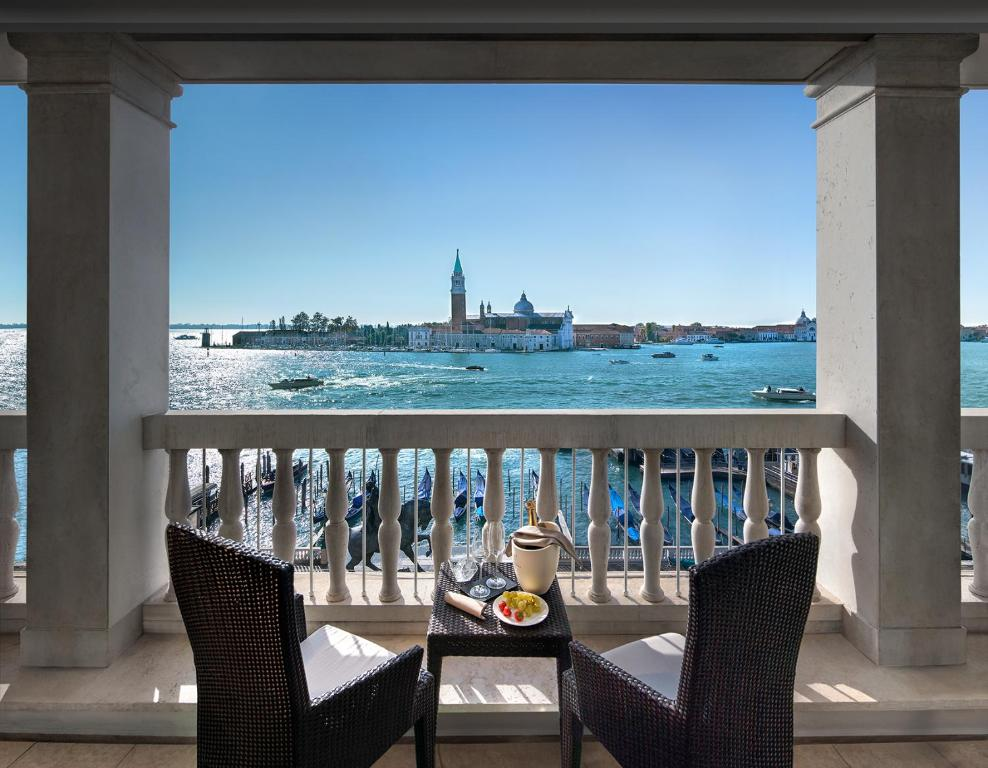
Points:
(531, 621)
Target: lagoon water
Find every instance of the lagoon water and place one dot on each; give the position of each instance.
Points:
(238, 379)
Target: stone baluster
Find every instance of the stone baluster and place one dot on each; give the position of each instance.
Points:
(337, 531)
(9, 529)
(702, 532)
(807, 500)
(547, 502)
(389, 534)
(652, 532)
(977, 526)
(442, 510)
(494, 505)
(178, 496)
(599, 530)
(231, 496)
(755, 497)
(283, 533)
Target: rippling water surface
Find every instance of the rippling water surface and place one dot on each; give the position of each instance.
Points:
(238, 379)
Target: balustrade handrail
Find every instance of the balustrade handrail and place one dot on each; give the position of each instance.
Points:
(974, 428)
(13, 429)
(402, 429)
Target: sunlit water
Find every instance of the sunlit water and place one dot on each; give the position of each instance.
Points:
(239, 379)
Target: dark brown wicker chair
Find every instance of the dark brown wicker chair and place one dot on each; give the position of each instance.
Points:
(255, 669)
(723, 696)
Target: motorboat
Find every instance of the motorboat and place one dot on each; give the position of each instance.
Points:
(303, 383)
(475, 368)
(784, 394)
(185, 337)
(619, 362)
(709, 357)
(663, 355)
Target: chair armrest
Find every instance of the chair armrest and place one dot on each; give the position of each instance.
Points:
(357, 723)
(300, 617)
(636, 723)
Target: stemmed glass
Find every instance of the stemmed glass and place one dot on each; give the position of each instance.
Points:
(478, 590)
(493, 549)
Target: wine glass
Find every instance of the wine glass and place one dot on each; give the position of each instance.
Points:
(476, 553)
(493, 549)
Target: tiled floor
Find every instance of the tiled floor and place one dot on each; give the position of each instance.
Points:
(920, 754)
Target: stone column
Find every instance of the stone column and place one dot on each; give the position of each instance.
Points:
(98, 177)
(97, 354)
(888, 304)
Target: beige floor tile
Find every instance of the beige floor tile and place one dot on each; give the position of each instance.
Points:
(161, 756)
(817, 756)
(909, 755)
(505, 755)
(399, 756)
(964, 754)
(595, 756)
(58, 755)
(11, 750)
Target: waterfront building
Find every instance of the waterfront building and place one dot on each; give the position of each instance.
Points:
(613, 335)
(805, 329)
(522, 330)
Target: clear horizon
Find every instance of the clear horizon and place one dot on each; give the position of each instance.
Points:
(629, 203)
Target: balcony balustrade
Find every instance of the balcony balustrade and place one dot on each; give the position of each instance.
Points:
(440, 433)
(13, 435)
(391, 432)
(974, 436)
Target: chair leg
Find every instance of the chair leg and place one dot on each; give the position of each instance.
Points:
(425, 740)
(571, 739)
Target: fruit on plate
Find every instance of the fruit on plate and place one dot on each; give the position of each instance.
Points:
(519, 605)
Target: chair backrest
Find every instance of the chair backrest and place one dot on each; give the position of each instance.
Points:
(747, 613)
(238, 608)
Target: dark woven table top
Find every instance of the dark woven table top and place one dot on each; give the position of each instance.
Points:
(455, 633)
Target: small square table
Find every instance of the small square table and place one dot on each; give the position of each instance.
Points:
(455, 633)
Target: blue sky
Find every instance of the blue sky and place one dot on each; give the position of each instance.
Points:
(631, 202)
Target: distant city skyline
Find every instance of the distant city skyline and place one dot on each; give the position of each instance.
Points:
(629, 203)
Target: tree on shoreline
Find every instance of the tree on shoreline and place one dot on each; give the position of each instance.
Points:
(301, 322)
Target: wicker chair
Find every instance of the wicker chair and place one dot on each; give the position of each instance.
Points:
(722, 696)
(269, 696)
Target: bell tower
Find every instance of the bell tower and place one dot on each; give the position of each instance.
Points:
(458, 296)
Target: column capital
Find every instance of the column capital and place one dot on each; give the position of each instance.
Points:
(86, 63)
(920, 66)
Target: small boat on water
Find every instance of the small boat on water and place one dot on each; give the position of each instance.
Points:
(709, 357)
(303, 383)
(663, 355)
(460, 501)
(475, 368)
(719, 346)
(619, 362)
(186, 337)
(784, 395)
(299, 470)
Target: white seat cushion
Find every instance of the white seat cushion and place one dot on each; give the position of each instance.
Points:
(656, 661)
(332, 657)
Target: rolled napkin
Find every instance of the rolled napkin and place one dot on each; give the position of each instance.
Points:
(464, 603)
(537, 536)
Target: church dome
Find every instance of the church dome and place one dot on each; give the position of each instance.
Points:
(523, 306)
